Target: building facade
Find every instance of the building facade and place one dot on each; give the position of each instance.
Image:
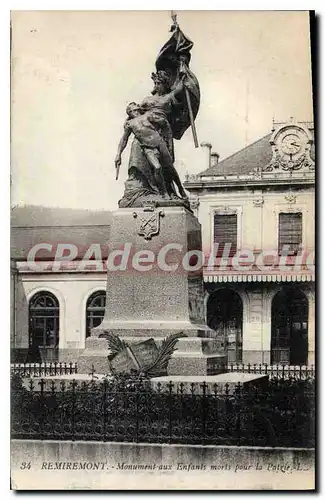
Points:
(256, 209)
(58, 281)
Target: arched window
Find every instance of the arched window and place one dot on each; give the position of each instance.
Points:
(44, 325)
(225, 317)
(289, 339)
(95, 310)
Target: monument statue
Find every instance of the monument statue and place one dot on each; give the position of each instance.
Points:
(154, 321)
(155, 123)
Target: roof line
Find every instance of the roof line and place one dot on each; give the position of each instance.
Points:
(239, 151)
(60, 226)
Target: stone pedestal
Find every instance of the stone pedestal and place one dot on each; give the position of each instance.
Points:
(155, 289)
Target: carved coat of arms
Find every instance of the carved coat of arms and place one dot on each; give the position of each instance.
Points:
(149, 221)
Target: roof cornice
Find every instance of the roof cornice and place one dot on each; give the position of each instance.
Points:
(245, 181)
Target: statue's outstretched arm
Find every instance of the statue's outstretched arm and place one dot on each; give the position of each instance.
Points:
(123, 142)
(122, 145)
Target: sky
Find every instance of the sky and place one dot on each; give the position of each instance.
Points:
(73, 73)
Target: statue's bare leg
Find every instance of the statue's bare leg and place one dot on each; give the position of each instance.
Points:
(168, 163)
(152, 156)
(178, 183)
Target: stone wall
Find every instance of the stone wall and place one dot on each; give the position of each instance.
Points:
(258, 213)
(82, 465)
(72, 292)
(257, 322)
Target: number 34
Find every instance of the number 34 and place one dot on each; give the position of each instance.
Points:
(25, 465)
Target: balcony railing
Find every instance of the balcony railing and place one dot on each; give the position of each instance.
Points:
(43, 369)
(297, 372)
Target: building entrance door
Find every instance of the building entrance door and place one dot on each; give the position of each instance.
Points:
(289, 340)
(225, 317)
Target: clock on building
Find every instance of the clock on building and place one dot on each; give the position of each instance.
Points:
(291, 145)
(292, 141)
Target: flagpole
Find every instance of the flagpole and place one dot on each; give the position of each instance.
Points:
(187, 94)
(188, 99)
(173, 15)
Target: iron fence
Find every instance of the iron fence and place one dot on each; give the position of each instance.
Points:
(298, 372)
(279, 414)
(43, 369)
(301, 372)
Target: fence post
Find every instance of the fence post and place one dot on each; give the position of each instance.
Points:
(104, 408)
(238, 405)
(170, 410)
(137, 416)
(227, 407)
(41, 410)
(180, 393)
(73, 409)
(204, 402)
(216, 409)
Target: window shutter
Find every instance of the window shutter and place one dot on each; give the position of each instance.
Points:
(225, 232)
(290, 231)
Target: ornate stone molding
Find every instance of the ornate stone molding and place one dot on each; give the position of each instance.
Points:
(257, 173)
(292, 208)
(258, 202)
(278, 162)
(225, 209)
(191, 177)
(194, 203)
(290, 198)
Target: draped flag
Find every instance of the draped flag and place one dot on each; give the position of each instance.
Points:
(174, 58)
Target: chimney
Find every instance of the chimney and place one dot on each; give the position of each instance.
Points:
(214, 159)
(207, 153)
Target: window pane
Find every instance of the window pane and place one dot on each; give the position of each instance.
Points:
(95, 310)
(44, 323)
(50, 332)
(44, 300)
(98, 301)
(225, 232)
(290, 231)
